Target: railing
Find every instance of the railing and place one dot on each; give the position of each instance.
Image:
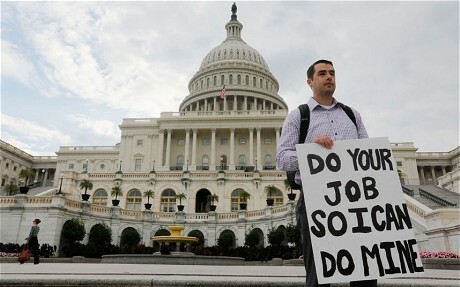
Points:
(435, 198)
(176, 167)
(196, 217)
(137, 214)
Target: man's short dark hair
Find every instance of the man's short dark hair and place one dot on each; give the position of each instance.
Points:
(311, 69)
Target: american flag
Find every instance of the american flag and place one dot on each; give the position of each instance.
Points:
(222, 93)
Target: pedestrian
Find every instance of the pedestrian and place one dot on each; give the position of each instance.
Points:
(329, 122)
(32, 240)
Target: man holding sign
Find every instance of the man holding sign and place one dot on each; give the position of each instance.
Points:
(329, 122)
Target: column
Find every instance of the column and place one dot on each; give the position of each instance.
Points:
(433, 175)
(259, 149)
(422, 176)
(45, 177)
(195, 131)
(206, 104)
(161, 139)
(255, 104)
(232, 149)
(443, 170)
(277, 135)
(212, 165)
(245, 103)
(234, 102)
(168, 148)
(215, 104)
(251, 146)
(225, 103)
(187, 148)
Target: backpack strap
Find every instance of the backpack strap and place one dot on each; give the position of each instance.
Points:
(349, 113)
(304, 122)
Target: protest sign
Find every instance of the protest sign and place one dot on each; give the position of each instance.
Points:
(359, 223)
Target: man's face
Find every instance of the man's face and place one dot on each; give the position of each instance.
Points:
(323, 81)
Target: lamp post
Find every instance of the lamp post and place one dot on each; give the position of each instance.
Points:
(256, 164)
(60, 186)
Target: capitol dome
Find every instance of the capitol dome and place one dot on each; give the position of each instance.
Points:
(241, 70)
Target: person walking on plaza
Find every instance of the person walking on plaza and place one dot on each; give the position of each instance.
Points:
(32, 240)
(329, 121)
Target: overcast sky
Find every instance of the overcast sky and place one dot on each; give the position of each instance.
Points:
(71, 71)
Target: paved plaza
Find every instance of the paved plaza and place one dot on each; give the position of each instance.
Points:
(156, 275)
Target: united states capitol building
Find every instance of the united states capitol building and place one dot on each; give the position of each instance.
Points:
(214, 144)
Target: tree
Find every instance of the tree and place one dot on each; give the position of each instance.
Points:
(275, 237)
(244, 195)
(181, 196)
(86, 184)
(73, 230)
(11, 188)
(252, 239)
(149, 194)
(225, 240)
(292, 234)
(100, 234)
(117, 191)
(213, 198)
(287, 186)
(129, 238)
(27, 174)
(270, 190)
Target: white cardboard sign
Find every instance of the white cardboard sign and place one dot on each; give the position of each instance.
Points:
(359, 223)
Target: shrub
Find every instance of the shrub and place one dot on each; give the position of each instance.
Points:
(100, 234)
(129, 238)
(225, 240)
(73, 230)
(252, 239)
(439, 254)
(275, 237)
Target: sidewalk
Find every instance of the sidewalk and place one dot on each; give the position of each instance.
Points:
(154, 275)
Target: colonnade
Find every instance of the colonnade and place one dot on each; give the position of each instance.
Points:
(424, 180)
(212, 104)
(190, 155)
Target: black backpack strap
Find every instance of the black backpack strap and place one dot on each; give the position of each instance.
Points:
(304, 122)
(349, 113)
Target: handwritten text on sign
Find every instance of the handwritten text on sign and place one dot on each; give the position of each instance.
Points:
(359, 222)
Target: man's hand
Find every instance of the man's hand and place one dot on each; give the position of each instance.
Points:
(325, 141)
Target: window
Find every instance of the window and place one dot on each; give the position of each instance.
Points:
(205, 142)
(205, 162)
(215, 81)
(222, 80)
(235, 200)
(278, 198)
(247, 80)
(268, 160)
(254, 81)
(7, 165)
(242, 141)
(71, 165)
(182, 142)
(242, 160)
(137, 164)
(100, 197)
(134, 200)
(168, 201)
(140, 142)
(85, 166)
(268, 141)
(180, 160)
(207, 83)
(230, 80)
(102, 166)
(238, 79)
(223, 141)
(399, 163)
(15, 168)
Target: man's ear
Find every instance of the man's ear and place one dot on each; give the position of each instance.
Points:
(309, 83)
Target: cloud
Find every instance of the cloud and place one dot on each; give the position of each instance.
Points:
(99, 127)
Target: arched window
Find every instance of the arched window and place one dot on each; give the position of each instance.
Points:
(260, 85)
(134, 200)
(247, 80)
(168, 201)
(215, 81)
(222, 80)
(254, 81)
(278, 197)
(242, 160)
(100, 197)
(207, 82)
(235, 200)
(238, 79)
(230, 80)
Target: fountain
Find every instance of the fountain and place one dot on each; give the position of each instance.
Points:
(177, 238)
(177, 257)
